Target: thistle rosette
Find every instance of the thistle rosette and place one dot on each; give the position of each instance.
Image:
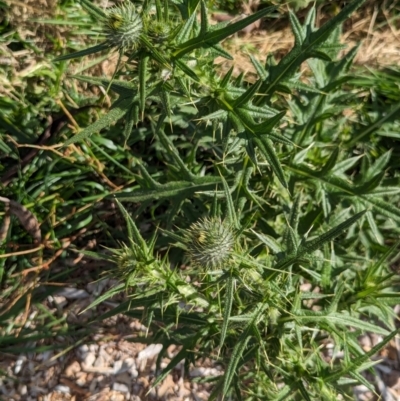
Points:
(123, 26)
(210, 243)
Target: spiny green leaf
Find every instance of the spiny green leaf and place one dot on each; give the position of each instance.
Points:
(133, 232)
(188, 71)
(267, 126)
(247, 96)
(311, 246)
(334, 318)
(385, 208)
(170, 190)
(204, 19)
(142, 82)
(225, 80)
(184, 33)
(229, 289)
(239, 349)
(85, 52)
(229, 204)
(394, 112)
(266, 148)
(361, 359)
(93, 9)
(262, 73)
(119, 110)
(330, 164)
(216, 36)
(370, 185)
(298, 54)
(155, 54)
(123, 88)
(220, 51)
(131, 120)
(296, 28)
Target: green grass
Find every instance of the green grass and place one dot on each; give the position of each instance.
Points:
(219, 199)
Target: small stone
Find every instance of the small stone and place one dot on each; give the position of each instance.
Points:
(81, 379)
(83, 350)
(88, 361)
(18, 364)
(60, 388)
(22, 389)
(72, 369)
(92, 387)
(60, 301)
(117, 366)
(117, 397)
(124, 378)
(133, 372)
(120, 387)
(93, 348)
(149, 352)
(97, 287)
(100, 361)
(72, 293)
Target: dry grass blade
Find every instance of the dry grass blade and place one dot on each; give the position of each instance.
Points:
(6, 223)
(25, 217)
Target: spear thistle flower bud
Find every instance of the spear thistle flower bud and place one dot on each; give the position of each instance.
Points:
(123, 26)
(210, 242)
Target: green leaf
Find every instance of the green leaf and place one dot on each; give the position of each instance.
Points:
(133, 232)
(369, 186)
(85, 52)
(239, 349)
(170, 190)
(267, 126)
(220, 51)
(296, 28)
(336, 319)
(338, 184)
(269, 241)
(330, 164)
(204, 27)
(262, 73)
(123, 88)
(120, 108)
(225, 80)
(229, 204)
(181, 355)
(266, 148)
(93, 9)
(333, 377)
(184, 33)
(188, 71)
(394, 112)
(154, 53)
(247, 96)
(131, 118)
(229, 289)
(214, 37)
(288, 64)
(142, 83)
(311, 246)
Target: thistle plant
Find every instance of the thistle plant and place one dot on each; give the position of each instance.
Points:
(267, 180)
